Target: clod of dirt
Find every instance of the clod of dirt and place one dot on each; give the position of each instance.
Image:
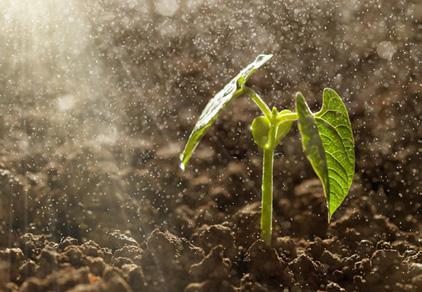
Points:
(383, 260)
(96, 265)
(331, 260)
(136, 279)
(9, 287)
(210, 286)
(62, 280)
(305, 272)
(417, 282)
(286, 246)
(120, 262)
(117, 240)
(365, 248)
(357, 225)
(334, 287)
(214, 265)
(316, 248)
(129, 251)
(116, 284)
(12, 258)
(91, 248)
(167, 259)
(363, 266)
(207, 237)
(264, 263)
(247, 283)
(74, 256)
(67, 241)
(48, 260)
(27, 269)
(246, 224)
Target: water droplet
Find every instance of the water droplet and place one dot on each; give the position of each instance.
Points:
(65, 102)
(386, 50)
(182, 166)
(166, 7)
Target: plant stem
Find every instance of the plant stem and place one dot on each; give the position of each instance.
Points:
(267, 195)
(267, 182)
(281, 118)
(259, 102)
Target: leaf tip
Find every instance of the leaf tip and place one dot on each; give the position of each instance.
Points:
(329, 91)
(267, 56)
(300, 100)
(263, 58)
(299, 95)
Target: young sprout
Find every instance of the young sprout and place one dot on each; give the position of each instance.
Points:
(327, 139)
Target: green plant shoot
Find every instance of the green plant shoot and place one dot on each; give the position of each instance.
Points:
(327, 139)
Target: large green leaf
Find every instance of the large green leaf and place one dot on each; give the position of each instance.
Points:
(217, 103)
(327, 140)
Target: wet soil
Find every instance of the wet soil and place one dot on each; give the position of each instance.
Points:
(79, 215)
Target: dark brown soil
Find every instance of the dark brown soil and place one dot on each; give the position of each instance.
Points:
(84, 214)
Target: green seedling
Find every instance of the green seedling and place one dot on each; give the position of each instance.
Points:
(326, 135)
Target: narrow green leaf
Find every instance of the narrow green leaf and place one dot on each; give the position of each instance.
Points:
(216, 104)
(260, 129)
(327, 140)
(311, 142)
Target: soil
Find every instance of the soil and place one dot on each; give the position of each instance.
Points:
(82, 214)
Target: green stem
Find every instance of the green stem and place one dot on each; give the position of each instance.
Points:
(267, 195)
(267, 182)
(259, 102)
(281, 118)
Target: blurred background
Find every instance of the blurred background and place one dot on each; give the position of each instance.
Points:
(97, 99)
